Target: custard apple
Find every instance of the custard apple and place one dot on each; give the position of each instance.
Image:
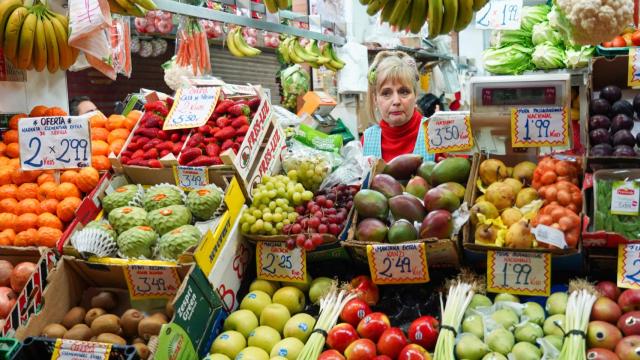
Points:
(168, 218)
(204, 202)
(126, 217)
(137, 242)
(176, 241)
(120, 197)
(162, 196)
(102, 225)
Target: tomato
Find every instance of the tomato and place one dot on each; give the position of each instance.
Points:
(635, 38)
(627, 39)
(619, 41)
(608, 44)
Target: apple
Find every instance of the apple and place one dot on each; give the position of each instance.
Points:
(255, 301)
(629, 348)
(252, 353)
(557, 303)
(391, 342)
(629, 323)
(275, 316)
(601, 334)
(319, 287)
(354, 311)
(289, 348)
(424, 332)
(267, 286)
(601, 354)
(373, 325)
(229, 343)
(217, 357)
(608, 289)
(331, 355)
(291, 297)
(264, 337)
(361, 349)
(340, 336)
(242, 321)
(605, 309)
(382, 357)
(299, 326)
(304, 287)
(629, 300)
(506, 297)
(413, 352)
(366, 289)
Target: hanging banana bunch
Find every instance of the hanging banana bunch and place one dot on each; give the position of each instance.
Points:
(135, 8)
(238, 46)
(274, 5)
(294, 53)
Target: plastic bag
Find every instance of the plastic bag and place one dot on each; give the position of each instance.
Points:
(192, 48)
(271, 40)
(307, 165)
(89, 25)
(353, 169)
(317, 139)
(120, 32)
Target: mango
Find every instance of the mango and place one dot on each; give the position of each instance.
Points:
(371, 204)
(401, 231)
(417, 186)
(371, 230)
(453, 169)
(426, 169)
(407, 207)
(386, 185)
(457, 189)
(437, 224)
(404, 166)
(441, 198)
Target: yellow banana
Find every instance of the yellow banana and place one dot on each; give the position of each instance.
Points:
(292, 53)
(284, 51)
(312, 48)
(66, 56)
(465, 14)
(128, 6)
(53, 55)
(27, 38)
(399, 9)
(328, 51)
(6, 9)
(63, 19)
(231, 45)
(271, 5)
(242, 45)
(387, 10)
(302, 53)
(39, 46)
(418, 15)
(450, 15)
(375, 6)
(116, 8)
(12, 33)
(364, 2)
(406, 17)
(479, 4)
(434, 15)
(146, 4)
(283, 4)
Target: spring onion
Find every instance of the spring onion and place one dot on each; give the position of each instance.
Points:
(459, 297)
(577, 319)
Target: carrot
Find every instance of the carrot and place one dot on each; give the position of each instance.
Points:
(193, 59)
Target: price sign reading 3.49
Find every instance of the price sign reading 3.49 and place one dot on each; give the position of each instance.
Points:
(398, 264)
(275, 262)
(147, 282)
(500, 15)
(191, 177)
(520, 273)
(54, 142)
(539, 126)
(629, 266)
(448, 131)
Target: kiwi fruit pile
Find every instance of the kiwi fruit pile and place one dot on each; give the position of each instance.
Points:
(99, 325)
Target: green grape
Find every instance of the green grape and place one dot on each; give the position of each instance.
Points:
(292, 217)
(279, 226)
(308, 174)
(282, 202)
(293, 175)
(254, 229)
(268, 227)
(290, 193)
(277, 217)
(299, 188)
(273, 232)
(307, 195)
(257, 213)
(297, 198)
(260, 224)
(272, 194)
(245, 227)
(262, 207)
(272, 205)
(290, 209)
(251, 219)
(268, 217)
(286, 222)
(278, 210)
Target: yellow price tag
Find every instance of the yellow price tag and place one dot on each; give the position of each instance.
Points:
(633, 79)
(629, 266)
(148, 282)
(519, 273)
(192, 107)
(398, 264)
(539, 126)
(448, 131)
(275, 262)
(191, 177)
(66, 349)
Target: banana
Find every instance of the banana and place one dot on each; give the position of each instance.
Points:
(53, 55)
(364, 2)
(303, 54)
(12, 33)
(406, 18)
(418, 15)
(146, 4)
(292, 54)
(27, 38)
(63, 19)
(231, 45)
(479, 4)
(327, 50)
(399, 9)
(242, 45)
(434, 14)
(283, 4)
(39, 46)
(116, 8)
(450, 15)
(312, 48)
(465, 14)
(375, 6)
(283, 49)
(128, 6)
(6, 9)
(271, 5)
(66, 55)
(387, 10)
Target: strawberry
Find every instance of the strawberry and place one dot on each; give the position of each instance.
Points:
(223, 121)
(184, 137)
(126, 153)
(133, 145)
(204, 129)
(195, 139)
(147, 146)
(254, 103)
(164, 153)
(125, 160)
(239, 121)
(155, 163)
(239, 109)
(151, 154)
(212, 150)
(227, 144)
(202, 160)
(176, 148)
(175, 137)
(239, 139)
(162, 135)
(225, 133)
(222, 106)
(189, 154)
(138, 154)
(242, 130)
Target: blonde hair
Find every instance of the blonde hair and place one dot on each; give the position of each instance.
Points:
(394, 66)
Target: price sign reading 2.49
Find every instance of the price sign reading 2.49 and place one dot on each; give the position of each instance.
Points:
(54, 142)
(539, 126)
(275, 262)
(629, 266)
(520, 273)
(448, 131)
(398, 264)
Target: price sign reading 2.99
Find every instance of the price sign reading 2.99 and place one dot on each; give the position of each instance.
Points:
(54, 142)
(520, 273)
(398, 264)
(275, 262)
(539, 126)
(448, 131)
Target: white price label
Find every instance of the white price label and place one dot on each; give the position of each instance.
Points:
(500, 15)
(520, 273)
(625, 198)
(629, 266)
(539, 126)
(548, 235)
(192, 107)
(275, 262)
(66, 349)
(54, 142)
(191, 177)
(447, 132)
(398, 264)
(147, 282)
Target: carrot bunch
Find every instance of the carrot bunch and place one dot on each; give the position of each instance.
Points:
(192, 47)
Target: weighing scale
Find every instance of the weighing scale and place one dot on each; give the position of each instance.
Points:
(493, 97)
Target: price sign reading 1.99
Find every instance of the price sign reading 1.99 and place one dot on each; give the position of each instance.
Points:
(539, 126)
(448, 131)
(519, 273)
(54, 142)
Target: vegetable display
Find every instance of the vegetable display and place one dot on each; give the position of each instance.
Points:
(625, 225)
(295, 81)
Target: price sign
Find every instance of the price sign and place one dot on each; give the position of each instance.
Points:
(147, 282)
(625, 198)
(500, 15)
(520, 273)
(275, 262)
(448, 131)
(539, 126)
(633, 79)
(191, 177)
(54, 142)
(398, 264)
(629, 266)
(192, 107)
(66, 349)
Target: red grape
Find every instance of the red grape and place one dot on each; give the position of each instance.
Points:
(308, 245)
(291, 244)
(296, 228)
(320, 200)
(328, 204)
(286, 229)
(314, 222)
(318, 214)
(300, 239)
(323, 229)
(316, 240)
(334, 229)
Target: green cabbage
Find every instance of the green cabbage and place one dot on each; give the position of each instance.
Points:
(509, 60)
(578, 57)
(295, 80)
(559, 22)
(543, 32)
(547, 56)
(532, 15)
(504, 38)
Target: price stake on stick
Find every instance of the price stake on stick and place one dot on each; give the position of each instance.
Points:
(520, 273)
(539, 126)
(66, 349)
(500, 15)
(448, 131)
(54, 142)
(398, 264)
(191, 177)
(192, 107)
(148, 282)
(629, 266)
(275, 262)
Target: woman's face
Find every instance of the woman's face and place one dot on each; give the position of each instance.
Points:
(395, 102)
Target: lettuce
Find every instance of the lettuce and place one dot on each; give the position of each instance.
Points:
(509, 60)
(532, 15)
(548, 56)
(578, 57)
(543, 32)
(504, 38)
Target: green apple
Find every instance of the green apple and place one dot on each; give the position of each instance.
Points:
(229, 343)
(506, 297)
(252, 353)
(255, 301)
(289, 348)
(278, 358)
(264, 285)
(299, 326)
(264, 337)
(304, 287)
(291, 297)
(242, 321)
(276, 316)
(216, 357)
(319, 287)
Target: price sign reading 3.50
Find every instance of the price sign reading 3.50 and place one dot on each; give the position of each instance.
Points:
(629, 266)
(500, 15)
(398, 264)
(448, 131)
(520, 273)
(539, 126)
(276, 262)
(192, 107)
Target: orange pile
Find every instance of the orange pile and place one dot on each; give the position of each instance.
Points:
(109, 135)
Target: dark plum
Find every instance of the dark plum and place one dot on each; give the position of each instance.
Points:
(599, 136)
(623, 137)
(602, 150)
(620, 122)
(600, 107)
(624, 150)
(636, 104)
(611, 93)
(599, 122)
(622, 107)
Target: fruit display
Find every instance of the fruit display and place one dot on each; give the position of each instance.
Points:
(630, 37)
(108, 135)
(273, 6)
(238, 46)
(12, 281)
(611, 124)
(604, 219)
(135, 8)
(155, 21)
(293, 52)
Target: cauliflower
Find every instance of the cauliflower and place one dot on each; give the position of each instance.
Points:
(176, 76)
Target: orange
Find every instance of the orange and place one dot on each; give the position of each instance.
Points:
(55, 111)
(87, 179)
(116, 146)
(28, 206)
(8, 191)
(98, 120)
(118, 134)
(7, 220)
(11, 136)
(13, 150)
(45, 178)
(7, 237)
(99, 147)
(67, 208)
(26, 221)
(100, 162)
(5, 175)
(14, 163)
(13, 122)
(20, 177)
(28, 237)
(115, 121)
(50, 220)
(48, 236)
(130, 123)
(27, 191)
(99, 134)
(65, 190)
(4, 160)
(47, 190)
(9, 205)
(49, 205)
(38, 110)
(134, 115)
(3, 148)
(69, 176)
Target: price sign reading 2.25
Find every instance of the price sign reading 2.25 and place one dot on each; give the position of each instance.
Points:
(520, 273)
(448, 131)
(398, 264)
(275, 262)
(539, 126)
(54, 142)
(629, 266)
(500, 15)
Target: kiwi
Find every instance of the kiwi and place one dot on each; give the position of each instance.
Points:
(74, 316)
(143, 350)
(54, 331)
(78, 332)
(129, 322)
(168, 309)
(104, 300)
(160, 316)
(151, 326)
(92, 315)
(138, 341)
(107, 323)
(111, 339)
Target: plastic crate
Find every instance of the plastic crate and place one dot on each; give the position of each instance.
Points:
(612, 51)
(42, 348)
(9, 348)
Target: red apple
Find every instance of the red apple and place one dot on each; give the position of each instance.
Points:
(608, 289)
(373, 325)
(629, 300)
(413, 352)
(366, 289)
(354, 311)
(340, 336)
(424, 332)
(331, 355)
(601, 334)
(601, 354)
(605, 309)
(382, 357)
(629, 323)
(391, 342)
(629, 348)
(361, 349)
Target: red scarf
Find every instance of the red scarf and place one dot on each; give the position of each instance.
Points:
(400, 140)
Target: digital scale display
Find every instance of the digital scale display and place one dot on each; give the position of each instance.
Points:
(542, 95)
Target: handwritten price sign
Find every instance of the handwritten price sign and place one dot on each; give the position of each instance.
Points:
(448, 131)
(629, 266)
(539, 126)
(54, 142)
(66, 349)
(520, 273)
(633, 79)
(147, 282)
(192, 107)
(500, 15)
(276, 262)
(191, 177)
(398, 264)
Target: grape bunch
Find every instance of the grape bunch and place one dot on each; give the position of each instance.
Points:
(310, 171)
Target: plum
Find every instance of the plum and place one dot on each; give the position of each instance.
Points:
(599, 136)
(602, 150)
(600, 107)
(611, 93)
(624, 150)
(622, 107)
(599, 122)
(623, 137)
(621, 121)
